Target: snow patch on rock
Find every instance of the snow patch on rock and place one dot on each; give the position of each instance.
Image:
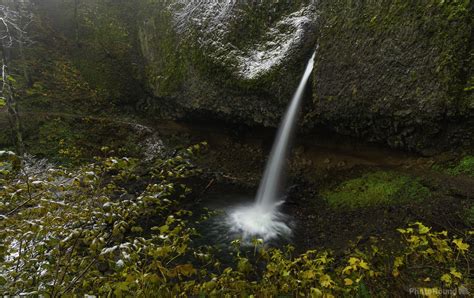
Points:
(212, 18)
(281, 40)
(204, 14)
(152, 145)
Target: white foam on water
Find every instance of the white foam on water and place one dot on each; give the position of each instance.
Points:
(256, 220)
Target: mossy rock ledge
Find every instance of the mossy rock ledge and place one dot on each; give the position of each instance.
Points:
(239, 61)
(398, 73)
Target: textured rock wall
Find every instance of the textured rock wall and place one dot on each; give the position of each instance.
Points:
(396, 72)
(237, 60)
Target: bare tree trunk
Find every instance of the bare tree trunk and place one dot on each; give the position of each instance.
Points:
(76, 22)
(15, 124)
(26, 73)
(12, 106)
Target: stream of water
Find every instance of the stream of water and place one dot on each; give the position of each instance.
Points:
(263, 217)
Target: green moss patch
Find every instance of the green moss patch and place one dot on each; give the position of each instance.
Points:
(469, 216)
(376, 189)
(465, 166)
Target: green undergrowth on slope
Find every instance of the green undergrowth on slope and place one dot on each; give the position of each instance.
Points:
(116, 227)
(463, 166)
(376, 189)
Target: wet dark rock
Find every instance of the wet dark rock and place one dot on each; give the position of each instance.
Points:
(394, 74)
(383, 74)
(238, 61)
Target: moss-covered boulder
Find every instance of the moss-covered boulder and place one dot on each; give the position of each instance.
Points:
(398, 72)
(237, 60)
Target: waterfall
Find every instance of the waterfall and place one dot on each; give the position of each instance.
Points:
(263, 217)
(269, 191)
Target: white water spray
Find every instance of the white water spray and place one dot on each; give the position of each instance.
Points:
(263, 217)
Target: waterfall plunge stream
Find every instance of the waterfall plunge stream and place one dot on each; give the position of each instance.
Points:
(263, 218)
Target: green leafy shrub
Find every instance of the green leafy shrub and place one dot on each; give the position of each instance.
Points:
(65, 231)
(95, 230)
(430, 259)
(374, 189)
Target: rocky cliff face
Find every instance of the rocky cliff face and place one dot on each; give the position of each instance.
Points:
(398, 73)
(239, 60)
